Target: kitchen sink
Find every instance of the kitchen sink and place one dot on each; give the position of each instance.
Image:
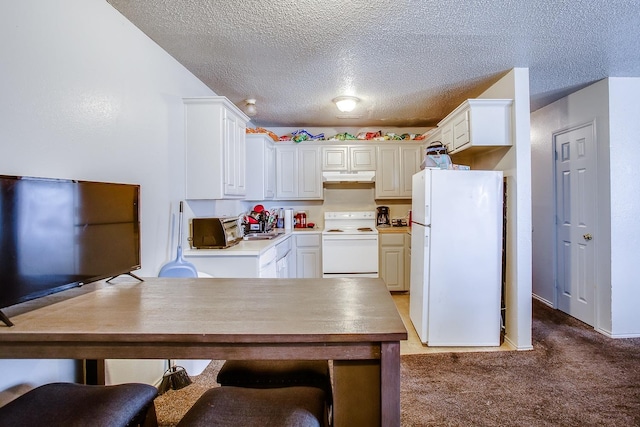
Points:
(262, 236)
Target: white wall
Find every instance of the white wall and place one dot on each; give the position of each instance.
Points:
(515, 162)
(612, 105)
(624, 143)
(86, 95)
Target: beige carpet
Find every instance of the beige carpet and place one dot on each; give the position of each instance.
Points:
(574, 376)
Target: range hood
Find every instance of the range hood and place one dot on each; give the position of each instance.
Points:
(343, 176)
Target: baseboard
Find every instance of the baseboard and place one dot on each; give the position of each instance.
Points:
(542, 300)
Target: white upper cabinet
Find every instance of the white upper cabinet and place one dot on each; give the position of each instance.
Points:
(435, 135)
(261, 167)
(298, 172)
(477, 124)
(349, 158)
(215, 149)
(396, 166)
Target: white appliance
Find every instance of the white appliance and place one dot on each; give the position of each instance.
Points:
(350, 244)
(456, 245)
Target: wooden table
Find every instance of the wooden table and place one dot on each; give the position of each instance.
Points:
(353, 322)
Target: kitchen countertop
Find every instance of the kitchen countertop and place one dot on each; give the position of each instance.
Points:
(250, 247)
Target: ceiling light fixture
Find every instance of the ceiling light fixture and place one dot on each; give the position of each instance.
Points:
(346, 103)
(250, 107)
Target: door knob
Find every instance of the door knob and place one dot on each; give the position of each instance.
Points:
(587, 236)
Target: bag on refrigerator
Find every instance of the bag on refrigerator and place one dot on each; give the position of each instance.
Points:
(436, 157)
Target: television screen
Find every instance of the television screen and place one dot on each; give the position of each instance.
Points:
(56, 234)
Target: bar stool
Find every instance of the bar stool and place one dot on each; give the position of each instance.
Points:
(277, 374)
(250, 407)
(68, 404)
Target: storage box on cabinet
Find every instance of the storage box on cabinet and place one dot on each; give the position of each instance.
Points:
(308, 255)
(477, 124)
(215, 149)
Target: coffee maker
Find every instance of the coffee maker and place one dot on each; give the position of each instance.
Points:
(383, 217)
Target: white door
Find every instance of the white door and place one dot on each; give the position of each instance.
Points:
(575, 219)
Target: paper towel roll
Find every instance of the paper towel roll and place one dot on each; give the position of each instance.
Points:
(288, 219)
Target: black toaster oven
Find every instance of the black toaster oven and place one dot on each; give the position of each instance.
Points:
(214, 233)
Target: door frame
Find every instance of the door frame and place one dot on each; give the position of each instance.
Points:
(554, 136)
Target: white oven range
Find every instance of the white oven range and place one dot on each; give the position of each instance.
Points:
(350, 244)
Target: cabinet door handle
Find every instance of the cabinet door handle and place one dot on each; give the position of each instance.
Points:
(587, 236)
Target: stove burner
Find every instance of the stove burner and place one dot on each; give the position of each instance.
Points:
(334, 230)
(365, 229)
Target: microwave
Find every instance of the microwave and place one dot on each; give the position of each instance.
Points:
(214, 233)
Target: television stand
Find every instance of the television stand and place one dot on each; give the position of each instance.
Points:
(5, 319)
(129, 273)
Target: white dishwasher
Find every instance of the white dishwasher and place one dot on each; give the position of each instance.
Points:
(267, 262)
(283, 255)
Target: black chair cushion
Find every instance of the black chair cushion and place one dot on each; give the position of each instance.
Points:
(252, 407)
(275, 373)
(68, 404)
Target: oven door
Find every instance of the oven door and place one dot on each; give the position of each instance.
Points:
(349, 255)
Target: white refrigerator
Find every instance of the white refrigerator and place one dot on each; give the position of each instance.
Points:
(456, 257)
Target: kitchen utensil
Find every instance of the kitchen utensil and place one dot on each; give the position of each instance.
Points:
(383, 216)
(178, 267)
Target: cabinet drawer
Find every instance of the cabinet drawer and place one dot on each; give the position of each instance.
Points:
(310, 240)
(392, 239)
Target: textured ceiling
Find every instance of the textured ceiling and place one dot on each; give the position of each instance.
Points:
(409, 61)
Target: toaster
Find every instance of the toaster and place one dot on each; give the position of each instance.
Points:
(214, 233)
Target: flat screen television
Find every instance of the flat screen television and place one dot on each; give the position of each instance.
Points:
(56, 234)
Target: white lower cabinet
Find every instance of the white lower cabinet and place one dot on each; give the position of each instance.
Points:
(270, 262)
(308, 256)
(235, 266)
(393, 260)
